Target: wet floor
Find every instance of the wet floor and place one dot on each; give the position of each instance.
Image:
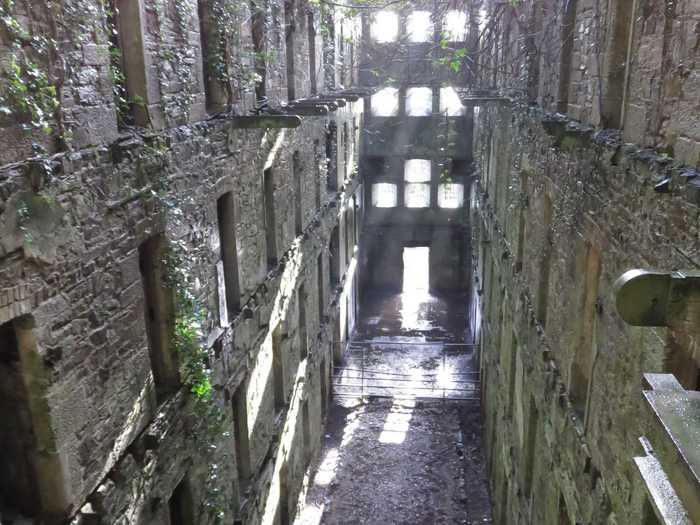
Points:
(417, 315)
(402, 446)
(410, 345)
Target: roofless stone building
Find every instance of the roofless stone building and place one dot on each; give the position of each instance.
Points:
(198, 199)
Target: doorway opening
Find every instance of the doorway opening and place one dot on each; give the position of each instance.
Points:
(416, 269)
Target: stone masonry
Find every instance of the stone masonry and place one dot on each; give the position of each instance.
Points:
(587, 169)
(103, 442)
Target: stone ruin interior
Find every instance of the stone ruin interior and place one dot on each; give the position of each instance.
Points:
(267, 262)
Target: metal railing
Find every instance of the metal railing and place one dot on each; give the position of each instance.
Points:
(360, 377)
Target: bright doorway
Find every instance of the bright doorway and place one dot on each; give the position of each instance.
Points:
(416, 269)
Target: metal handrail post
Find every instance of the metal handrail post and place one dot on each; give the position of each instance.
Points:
(444, 372)
(362, 381)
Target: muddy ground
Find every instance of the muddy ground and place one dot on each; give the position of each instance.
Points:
(400, 462)
(397, 459)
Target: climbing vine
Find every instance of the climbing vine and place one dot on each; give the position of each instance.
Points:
(116, 69)
(190, 340)
(453, 58)
(28, 92)
(190, 329)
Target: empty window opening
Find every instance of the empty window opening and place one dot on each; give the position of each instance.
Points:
(451, 195)
(319, 287)
(384, 195)
(543, 284)
(125, 115)
(329, 60)
(346, 144)
(416, 269)
(332, 157)
(417, 183)
(159, 316)
(301, 305)
(568, 28)
(276, 22)
(419, 102)
(341, 53)
(351, 67)
(615, 67)
(416, 195)
(417, 170)
(289, 24)
(240, 438)
(278, 369)
(317, 177)
(18, 482)
(258, 17)
(180, 504)
(269, 218)
(385, 102)
(283, 504)
(586, 326)
(298, 212)
(324, 386)
(419, 27)
(349, 245)
(511, 375)
(312, 52)
(354, 139)
(522, 225)
(385, 27)
(127, 62)
(306, 432)
(455, 26)
(504, 501)
(215, 94)
(357, 218)
(335, 262)
(229, 253)
(563, 512)
(450, 103)
(532, 429)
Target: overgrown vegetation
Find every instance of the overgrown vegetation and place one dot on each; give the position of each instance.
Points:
(28, 93)
(190, 330)
(122, 101)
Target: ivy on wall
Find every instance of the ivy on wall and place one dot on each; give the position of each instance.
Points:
(28, 93)
(191, 324)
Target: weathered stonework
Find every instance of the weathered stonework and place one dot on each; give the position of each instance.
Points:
(71, 229)
(561, 210)
(561, 216)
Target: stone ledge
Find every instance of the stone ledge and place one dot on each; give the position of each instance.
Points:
(663, 498)
(570, 134)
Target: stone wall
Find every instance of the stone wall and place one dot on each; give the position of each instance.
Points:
(109, 446)
(428, 130)
(560, 217)
(561, 209)
(76, 64)
(628, 65)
